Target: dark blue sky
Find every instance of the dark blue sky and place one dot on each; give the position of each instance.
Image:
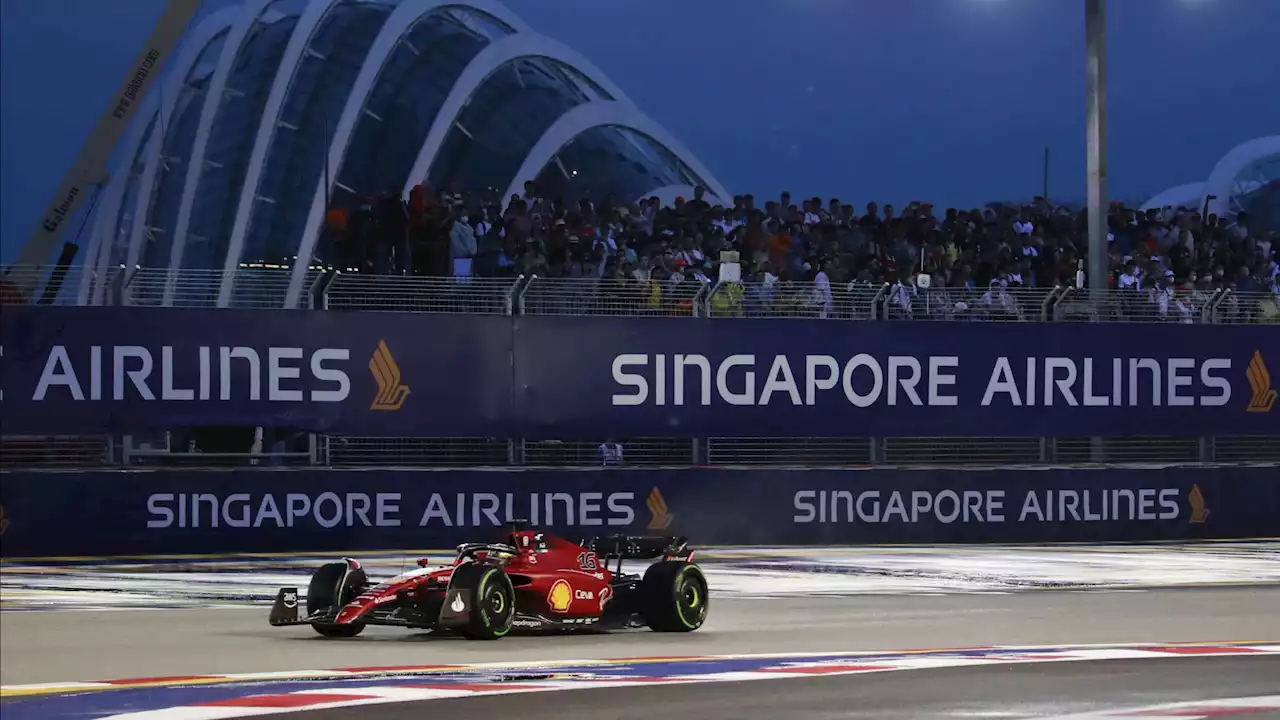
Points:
(889, 100)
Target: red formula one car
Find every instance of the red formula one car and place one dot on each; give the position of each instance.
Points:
(534, 581)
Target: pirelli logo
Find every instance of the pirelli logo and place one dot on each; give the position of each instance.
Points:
(1262, 395)
(391, 392)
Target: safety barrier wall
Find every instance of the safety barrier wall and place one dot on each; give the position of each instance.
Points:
(277, 511)
(103, 370)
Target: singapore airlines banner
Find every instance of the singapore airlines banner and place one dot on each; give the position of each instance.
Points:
(94, 370)
(191, 511)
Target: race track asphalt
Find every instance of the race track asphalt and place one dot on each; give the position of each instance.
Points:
(1012, 691)
(40, 647)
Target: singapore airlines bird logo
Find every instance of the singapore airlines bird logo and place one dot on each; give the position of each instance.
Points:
(386, 373)
(1199, 509)
(1264, 396)
(661, 515)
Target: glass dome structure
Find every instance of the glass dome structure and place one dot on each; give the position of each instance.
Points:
(1246, 179)
(272, 109)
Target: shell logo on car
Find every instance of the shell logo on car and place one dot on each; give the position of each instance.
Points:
(560, 597)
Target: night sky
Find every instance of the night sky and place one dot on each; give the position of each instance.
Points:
(889, 100)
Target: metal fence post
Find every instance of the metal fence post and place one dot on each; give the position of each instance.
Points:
(509, 299)
(1207, 449)
(701, 306)
(1214, 304)
(1048, 303)
(522, 292)
(313, 293)
(875, 301)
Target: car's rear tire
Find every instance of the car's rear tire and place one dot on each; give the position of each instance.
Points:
(332, 586)
(674, 597)
(491, 597)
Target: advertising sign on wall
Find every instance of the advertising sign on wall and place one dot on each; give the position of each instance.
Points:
(172, 512)
(102, 369)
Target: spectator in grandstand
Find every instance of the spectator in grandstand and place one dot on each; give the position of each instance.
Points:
(391, 246)
(462, 241)
(818, 257)
(610, 453)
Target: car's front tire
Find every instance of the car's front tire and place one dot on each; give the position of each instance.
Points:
(332, 586)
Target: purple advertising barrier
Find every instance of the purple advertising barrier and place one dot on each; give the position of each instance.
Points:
(182, 512)
(100, 370)
(788, 378)
(103, 369)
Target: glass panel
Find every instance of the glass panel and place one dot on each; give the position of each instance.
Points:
(405, 99)
(505, 118)
(122, 223)
(231, 138)
(180, 134)
(314, 105)
(612, 160)
(1257, 192)
(170, 179)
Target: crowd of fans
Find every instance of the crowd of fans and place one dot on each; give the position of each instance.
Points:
(813, 257)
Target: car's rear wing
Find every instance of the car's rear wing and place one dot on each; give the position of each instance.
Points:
(640, 547)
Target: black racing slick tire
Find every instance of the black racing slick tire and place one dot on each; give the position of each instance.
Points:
(332, 586)
(674, 597)
(491, 597)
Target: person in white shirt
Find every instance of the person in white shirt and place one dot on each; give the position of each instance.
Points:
(726, 223)
(812, 208)
(462, 237)
(610, 453)
(1023, 225)
(823, 300)
(999, 299)
(1161, 296)
(1131, 277)
(644, 270)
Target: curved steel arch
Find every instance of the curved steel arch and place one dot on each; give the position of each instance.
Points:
(488, 62)
(252, 12)
(1236, 161)
(403, 19)
(108, 219)
(605, 113)
(1176, 196)
(205, 33)
(294, 52)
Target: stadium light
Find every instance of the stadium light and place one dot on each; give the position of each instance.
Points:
(1096, 141)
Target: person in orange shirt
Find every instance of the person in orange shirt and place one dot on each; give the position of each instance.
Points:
(779, 247)
(336, 225)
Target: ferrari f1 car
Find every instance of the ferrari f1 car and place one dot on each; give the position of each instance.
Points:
(532, 582)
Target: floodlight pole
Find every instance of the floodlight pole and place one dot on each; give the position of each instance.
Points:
(1096, 141)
